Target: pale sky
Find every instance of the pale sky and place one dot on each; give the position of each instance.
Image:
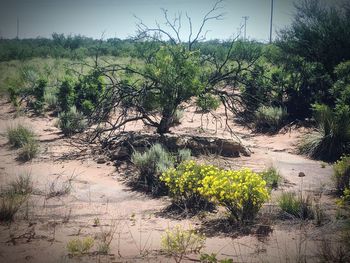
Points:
(116, 17)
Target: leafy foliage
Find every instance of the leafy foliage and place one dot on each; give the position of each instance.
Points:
(342, 174)
(207, 103)
(177, 72)
(66, 94)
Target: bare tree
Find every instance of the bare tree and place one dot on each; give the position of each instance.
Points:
(175, 71)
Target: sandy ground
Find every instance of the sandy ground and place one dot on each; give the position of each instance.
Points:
(44, 225)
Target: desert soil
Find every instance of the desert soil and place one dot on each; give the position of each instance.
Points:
(44, 225)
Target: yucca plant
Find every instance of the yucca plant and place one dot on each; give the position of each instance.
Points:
(332, 137)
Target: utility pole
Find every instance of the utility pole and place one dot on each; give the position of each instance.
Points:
(271, 21)
(245, 26)
(17, 36)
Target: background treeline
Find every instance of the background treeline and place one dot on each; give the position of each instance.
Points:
(61, 46)
(80, 47)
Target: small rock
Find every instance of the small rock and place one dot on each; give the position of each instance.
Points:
(301, 174)
(101, 160)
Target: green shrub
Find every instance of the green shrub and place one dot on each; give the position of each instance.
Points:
(207, 103)
(271, 176)
(332, 138)
(241, 192)
(78, 247)
(341, 174)
(71, 122)
(270, 119)
(66, 94)
(19, 135)
(345, 198)
(29, 150)
(297, 206)
(184, 183)
(151, 164)
(179, 242)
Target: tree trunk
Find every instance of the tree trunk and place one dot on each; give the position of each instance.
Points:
(166, 121)
(165, 124)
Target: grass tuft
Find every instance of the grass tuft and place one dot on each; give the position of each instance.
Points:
(29, 151)
(19, 135)
(269, 119)
(272, 177)
(297, 206)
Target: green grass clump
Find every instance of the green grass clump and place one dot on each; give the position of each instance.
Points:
(78, 247)
(9, 205)
(71, 122)
(19, 135)
(269, 119)
(13, 196)
(297, 206)
(179, 242)
(29, 151)
(272, 177)
(22, 185)
(51, 100)
(22, 137)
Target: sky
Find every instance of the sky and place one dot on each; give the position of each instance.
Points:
(116, 18)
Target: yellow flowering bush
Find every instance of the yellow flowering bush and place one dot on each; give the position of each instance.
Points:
(241, 192)
(184, 181)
